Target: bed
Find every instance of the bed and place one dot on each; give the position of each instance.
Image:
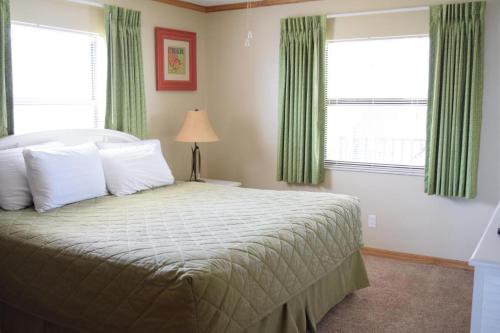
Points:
(189, 257)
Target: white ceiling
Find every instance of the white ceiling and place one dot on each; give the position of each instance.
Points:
(214, 2)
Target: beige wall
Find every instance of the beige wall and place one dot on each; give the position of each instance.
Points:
(373, 26)
(242, 103)
(166, 109)
(58, 13)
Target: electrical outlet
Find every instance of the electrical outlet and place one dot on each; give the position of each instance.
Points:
(372, 221)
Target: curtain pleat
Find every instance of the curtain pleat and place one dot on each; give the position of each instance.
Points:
(6, 101)
(301, 100)
(125, 103)
(455, 99)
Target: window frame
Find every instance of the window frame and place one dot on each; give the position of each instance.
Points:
(395, 169)
(95, 102)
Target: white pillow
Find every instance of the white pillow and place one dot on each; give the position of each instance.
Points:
(60, 176)
(14, 189)
(135, 168)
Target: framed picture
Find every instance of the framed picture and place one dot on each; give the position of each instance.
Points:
(175, 59)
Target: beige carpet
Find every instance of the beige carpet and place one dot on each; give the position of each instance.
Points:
(405, 297)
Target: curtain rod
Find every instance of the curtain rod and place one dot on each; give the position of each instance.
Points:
(383, 11)
(88, 3)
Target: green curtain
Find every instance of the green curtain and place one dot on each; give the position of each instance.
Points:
(6, 103)
(301, 100)
(455, 99)
(125, 103)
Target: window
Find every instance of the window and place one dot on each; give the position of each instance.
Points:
(377, 104)
(56, 81)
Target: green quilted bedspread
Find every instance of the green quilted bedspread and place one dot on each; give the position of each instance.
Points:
(184, 258)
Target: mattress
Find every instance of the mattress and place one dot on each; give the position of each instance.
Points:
(184, 258)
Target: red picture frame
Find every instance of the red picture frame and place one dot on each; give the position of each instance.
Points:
(175, 70)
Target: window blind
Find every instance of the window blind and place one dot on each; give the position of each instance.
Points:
(55, 79)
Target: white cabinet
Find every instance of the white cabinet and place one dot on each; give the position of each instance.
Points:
(486, 261)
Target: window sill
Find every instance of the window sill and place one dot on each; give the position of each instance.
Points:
(391, 169)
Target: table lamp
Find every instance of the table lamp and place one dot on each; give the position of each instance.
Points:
(196, 128)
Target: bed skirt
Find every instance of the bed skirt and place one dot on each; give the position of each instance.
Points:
(298, 315)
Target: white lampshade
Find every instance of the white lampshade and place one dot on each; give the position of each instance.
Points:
(196, 128)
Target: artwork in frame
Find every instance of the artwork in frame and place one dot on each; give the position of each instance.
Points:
(175, 59)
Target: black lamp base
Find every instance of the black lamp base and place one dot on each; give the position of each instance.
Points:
(196, 164)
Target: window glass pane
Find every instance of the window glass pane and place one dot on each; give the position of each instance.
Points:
(380, 68)
(54, 78)
(34, 118)
(385, 134)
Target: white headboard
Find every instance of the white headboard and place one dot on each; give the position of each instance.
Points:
(68, 137)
